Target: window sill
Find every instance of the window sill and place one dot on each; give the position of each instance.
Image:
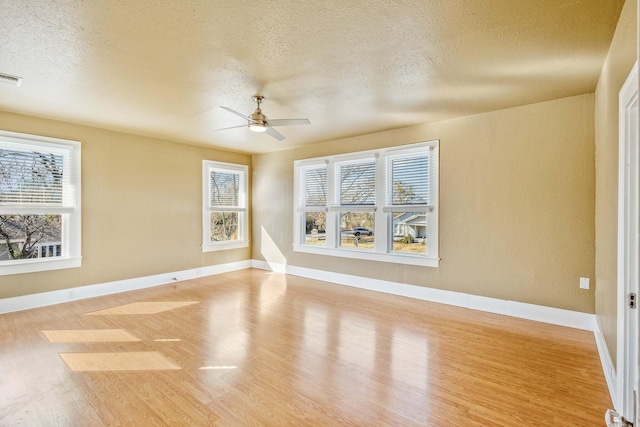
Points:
(38, 265)
(409, 259)
(223, 246)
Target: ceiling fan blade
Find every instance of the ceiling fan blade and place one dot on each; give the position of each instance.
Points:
(235, 112)
(289, 122)
(274, 133)
(232, 127)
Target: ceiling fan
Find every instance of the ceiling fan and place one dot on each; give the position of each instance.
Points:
(258, 122)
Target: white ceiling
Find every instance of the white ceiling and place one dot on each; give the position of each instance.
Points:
(163, 68)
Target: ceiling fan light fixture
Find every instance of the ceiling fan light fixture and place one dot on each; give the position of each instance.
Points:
(257, 127)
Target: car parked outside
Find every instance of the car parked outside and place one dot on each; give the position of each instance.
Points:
(357, 231)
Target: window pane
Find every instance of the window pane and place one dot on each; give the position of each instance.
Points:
(315, 225)
(357, 230)
(30, 236)
(224, 226)
(358, 184)
(315, 187)
(30, 177)
(409, 232)
(410, 180)
(225, 188)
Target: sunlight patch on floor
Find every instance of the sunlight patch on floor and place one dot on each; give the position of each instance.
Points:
(143, 307)
(129, 361)
(90, 335)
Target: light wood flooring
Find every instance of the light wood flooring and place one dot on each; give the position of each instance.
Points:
(254, 348)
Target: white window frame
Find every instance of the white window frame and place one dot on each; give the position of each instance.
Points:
(208, 245)
(70, 213)
(383, 209)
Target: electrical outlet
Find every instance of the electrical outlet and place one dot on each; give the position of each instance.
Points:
(584, 283)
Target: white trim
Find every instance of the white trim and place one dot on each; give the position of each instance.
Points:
(225, 245)
(17, 140)
(556, 316)
(608, 369)
(539, 313)
(37, 210)
(312, 209)
(8, 305)
(38, 264)
(243, 196)
(226, 209)
(367, 254)
(627, 268)
(352, 208)
(407, 208)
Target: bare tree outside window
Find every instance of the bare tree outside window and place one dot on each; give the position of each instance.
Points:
(29, 178)
(224, 226)
(225, 187)
(358, 184)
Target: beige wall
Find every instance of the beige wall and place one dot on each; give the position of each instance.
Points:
(622, 56)
(141, 207)
(516, 205)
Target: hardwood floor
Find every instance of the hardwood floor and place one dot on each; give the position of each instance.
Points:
(265, 349)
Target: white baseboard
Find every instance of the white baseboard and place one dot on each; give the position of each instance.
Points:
(608, 369)
(539, 313)
(8, 305)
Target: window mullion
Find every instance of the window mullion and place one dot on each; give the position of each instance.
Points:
(432, 217)
(333, 197)
(381, 242)
(298, 212)
(226, 209)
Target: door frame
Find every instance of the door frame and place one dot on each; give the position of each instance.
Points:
(628, 246)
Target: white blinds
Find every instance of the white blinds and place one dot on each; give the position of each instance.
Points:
(314, 182)
(35, 179)
(410, 183)
(224, 188)
(357, 184)
(410, 180)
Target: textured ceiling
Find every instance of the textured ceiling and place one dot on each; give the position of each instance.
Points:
(163, 68)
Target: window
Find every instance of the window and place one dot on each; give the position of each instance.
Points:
(313, 205)
(380, 205)
(356, 197)
(39, 203)
(224, 202)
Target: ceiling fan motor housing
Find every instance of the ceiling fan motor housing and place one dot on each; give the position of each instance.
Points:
(258, 118)
(258, 121)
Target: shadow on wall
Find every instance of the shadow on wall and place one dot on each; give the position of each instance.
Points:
(270, 251)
